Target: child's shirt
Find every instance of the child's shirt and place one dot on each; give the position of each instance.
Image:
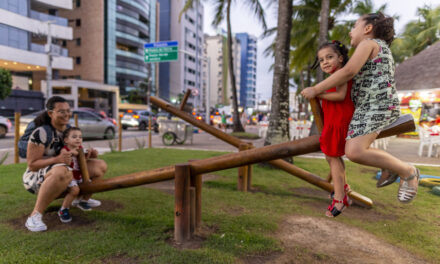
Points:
(75, 166)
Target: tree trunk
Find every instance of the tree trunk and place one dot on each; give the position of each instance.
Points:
(237, 127)
(278, 130)
(323, 31)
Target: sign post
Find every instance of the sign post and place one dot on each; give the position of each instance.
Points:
(161, 51)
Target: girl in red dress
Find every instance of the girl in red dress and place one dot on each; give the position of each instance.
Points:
(338, 109)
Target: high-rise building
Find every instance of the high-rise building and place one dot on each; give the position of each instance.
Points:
(220, 82)
(24, 30)
(248, 82)
(108, 42)
(185, 73)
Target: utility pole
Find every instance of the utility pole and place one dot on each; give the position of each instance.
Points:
(49, 61)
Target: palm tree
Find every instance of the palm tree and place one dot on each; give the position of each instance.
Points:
(222, 7)
(278, 130)
(418, 34)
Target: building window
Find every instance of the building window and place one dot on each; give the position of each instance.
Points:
(78, 60)
(78, 3)
(78, 41)
(78, 22)
(64, 43)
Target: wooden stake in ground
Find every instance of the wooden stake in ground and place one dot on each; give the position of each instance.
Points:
(16, 137)
(182, 203)
(120, 133)
(243, 172)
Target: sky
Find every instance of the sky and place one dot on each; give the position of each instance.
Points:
(244, 21)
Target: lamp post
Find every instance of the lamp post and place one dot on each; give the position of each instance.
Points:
(49, 60)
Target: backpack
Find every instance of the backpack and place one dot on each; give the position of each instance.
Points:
(23, 141)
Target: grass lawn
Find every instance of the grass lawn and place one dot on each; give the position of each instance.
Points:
(135, 225)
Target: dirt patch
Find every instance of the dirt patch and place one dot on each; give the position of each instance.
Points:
(79, 218)
(196, 240)
(334, 242)
(168, 186)
(120, 258)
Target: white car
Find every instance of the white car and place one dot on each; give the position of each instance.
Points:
(5, 126)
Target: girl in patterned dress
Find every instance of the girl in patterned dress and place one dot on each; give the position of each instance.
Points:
(338, 110)
(374, 96)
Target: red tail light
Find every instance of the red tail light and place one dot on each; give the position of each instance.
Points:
(114, 122)
(129, 111)
(212, 117)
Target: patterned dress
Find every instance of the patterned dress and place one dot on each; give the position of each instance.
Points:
(374, 95)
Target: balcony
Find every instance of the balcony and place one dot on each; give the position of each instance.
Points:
(40, 49)
(45, 17)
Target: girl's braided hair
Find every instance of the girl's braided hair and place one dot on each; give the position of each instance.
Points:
(337, 47)
(383, 26)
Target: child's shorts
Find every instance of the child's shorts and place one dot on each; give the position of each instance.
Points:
(32, 180)
(74, 183)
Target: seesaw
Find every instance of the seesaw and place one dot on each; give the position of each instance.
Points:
(188, 175)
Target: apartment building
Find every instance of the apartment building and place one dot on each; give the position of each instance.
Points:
(248, 83)
(108, 42)
(220, 82)
(185, 73)
(24, 29)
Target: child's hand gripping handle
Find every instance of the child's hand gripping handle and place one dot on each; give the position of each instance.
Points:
(83, 165)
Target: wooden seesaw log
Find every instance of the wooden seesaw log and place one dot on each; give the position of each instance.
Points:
(281, 164)
(223, 162)
(403, 125)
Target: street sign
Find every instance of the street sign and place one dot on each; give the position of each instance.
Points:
(161, 51)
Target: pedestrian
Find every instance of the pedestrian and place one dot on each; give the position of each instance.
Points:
(224, 123)
(47, 174)
(375, 98)
(338, 109)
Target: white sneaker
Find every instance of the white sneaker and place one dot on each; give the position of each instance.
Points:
(35, 223)
(75, 202)
(90, 202)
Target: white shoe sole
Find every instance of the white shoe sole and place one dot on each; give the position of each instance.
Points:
(36, 229)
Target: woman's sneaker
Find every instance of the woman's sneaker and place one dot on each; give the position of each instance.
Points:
(83, 205)
(64, 215)
(91, 202)
(35, 223)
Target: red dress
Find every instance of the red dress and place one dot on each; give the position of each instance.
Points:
(337, 117)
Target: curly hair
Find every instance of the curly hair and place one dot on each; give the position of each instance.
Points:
(337, 47)
(66, 132)
(383, 26)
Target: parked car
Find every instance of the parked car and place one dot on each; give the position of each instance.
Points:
(5, 126)
(140, 119)
(100, 113)
(91, 125)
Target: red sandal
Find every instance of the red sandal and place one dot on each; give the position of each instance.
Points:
(335, 211)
